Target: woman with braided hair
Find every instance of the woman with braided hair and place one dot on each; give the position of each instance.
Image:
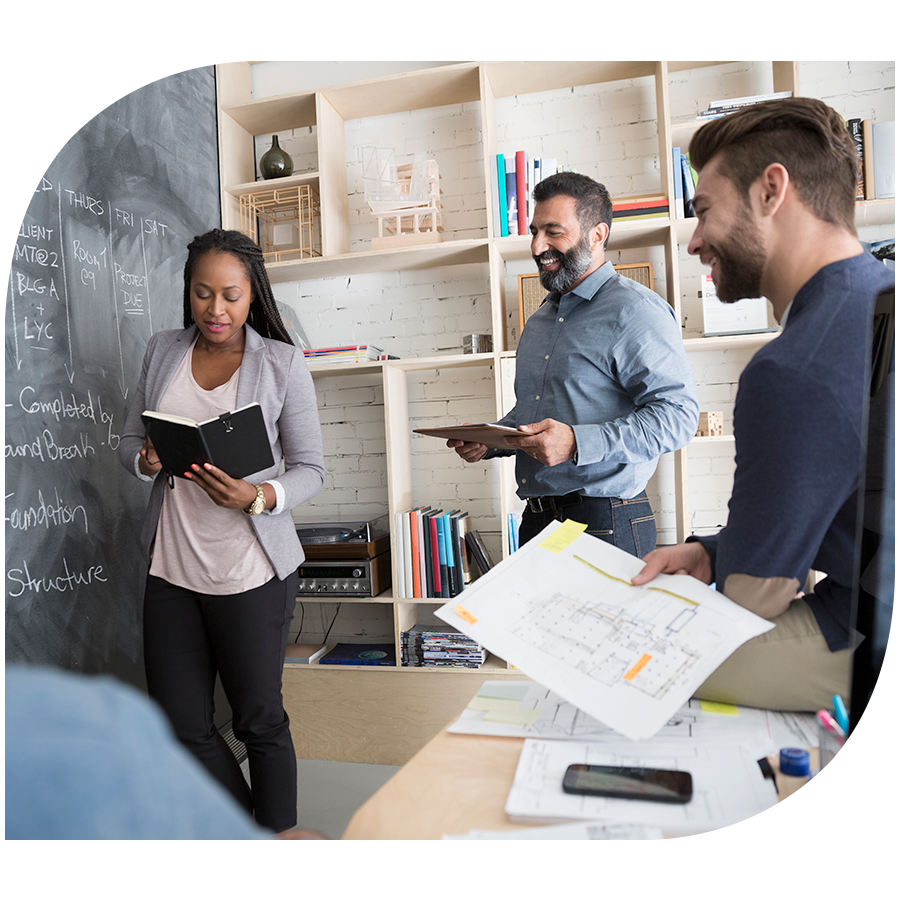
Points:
(223, 551)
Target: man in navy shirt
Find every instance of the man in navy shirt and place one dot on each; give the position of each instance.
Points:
(603, 386)
(775, 203)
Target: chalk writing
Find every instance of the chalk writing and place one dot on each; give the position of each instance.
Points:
(46, 515)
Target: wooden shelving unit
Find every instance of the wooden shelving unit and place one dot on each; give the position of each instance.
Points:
(385, 716)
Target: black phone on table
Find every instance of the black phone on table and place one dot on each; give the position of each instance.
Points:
(629, 782)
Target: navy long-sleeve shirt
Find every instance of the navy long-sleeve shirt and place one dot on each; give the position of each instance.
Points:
(798, 428)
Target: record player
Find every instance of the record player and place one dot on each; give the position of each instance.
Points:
(345, 540)
(345, 559)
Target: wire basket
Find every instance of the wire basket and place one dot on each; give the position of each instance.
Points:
(832, 756)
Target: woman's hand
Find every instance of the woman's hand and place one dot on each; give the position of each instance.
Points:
(223, 490)
(148, 461)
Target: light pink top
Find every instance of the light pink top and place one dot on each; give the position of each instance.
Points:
(200, 545)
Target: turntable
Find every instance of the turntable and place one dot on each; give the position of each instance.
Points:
(345, 559)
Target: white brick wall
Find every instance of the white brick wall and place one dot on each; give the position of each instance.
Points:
(606, 131)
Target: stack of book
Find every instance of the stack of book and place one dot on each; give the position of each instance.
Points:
(440, 645)
(431, 553)
(353, 353)
(512, 181)
(645, 206)
(719, 108)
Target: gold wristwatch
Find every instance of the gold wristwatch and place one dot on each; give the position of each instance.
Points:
(259, 504)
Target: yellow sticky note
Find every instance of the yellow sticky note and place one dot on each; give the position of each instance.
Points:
(463, 613)
(725, 709)
(492, 704)
(563, 536)
(514, 717)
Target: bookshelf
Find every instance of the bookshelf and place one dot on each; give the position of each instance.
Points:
(386, 715)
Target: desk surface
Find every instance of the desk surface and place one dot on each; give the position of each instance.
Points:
(455, 783)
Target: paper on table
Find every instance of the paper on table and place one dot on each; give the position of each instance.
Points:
(728, 786)
(536, 712)
(562, 609)
(576, 831)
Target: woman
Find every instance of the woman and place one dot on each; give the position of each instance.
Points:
(224, 552)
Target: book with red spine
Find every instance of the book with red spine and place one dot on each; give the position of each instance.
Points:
(522, 191)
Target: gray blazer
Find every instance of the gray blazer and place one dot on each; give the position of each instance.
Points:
(273, 374)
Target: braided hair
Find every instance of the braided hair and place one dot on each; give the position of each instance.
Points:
(263, 316)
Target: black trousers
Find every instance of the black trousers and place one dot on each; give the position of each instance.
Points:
(629, 524)
(188, 638)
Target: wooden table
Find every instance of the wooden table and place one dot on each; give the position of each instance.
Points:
(455, 783)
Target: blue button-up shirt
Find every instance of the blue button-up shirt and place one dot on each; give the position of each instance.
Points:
(606, 358)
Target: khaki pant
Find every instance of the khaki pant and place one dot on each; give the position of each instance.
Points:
(787, 668)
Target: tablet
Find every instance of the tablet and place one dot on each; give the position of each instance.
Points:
(492, 436)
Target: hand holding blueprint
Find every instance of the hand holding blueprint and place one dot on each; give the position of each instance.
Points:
(563, 609)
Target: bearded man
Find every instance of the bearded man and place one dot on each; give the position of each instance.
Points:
(775, 206)
(603, 385)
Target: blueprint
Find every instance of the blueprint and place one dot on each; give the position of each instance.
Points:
(728, 785)
(562, 609)
(528, 710)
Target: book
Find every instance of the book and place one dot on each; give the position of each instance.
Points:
(399, 550)
(407, 555)
(512, 211)
(414, 552)
(854, 126)
(296, 654)
(640, 200)
(688, 179)
(636, 215)
(747, 316)
(522, 191)
(435, 574)
(465, 524)
(458, 540)
(490, 435)
(501, 195)
(643, 211)
(360, 655)
(718, 108)
(885, 175)
(495, 206)
(678, 180)
(444, 587)
(479, 551)
(235, 442)
(868, 160)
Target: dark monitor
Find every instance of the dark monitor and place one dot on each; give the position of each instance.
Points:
(873, 581)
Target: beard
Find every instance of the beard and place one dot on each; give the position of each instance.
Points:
(572, 265)
(741, 259)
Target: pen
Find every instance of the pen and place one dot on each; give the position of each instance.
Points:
(828, 722)
(840, 712)
(768, 772)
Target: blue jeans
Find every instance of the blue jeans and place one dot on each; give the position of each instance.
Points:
(628, 524)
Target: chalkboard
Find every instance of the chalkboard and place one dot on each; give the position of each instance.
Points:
(97, 269)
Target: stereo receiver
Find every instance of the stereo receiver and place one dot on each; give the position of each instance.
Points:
(345, 578)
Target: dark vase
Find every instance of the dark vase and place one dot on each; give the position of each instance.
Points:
(275, 163)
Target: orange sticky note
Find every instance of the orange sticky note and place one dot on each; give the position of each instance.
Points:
(636, 668)
(463, 613)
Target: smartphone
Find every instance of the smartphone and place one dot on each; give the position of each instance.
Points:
(629, 782)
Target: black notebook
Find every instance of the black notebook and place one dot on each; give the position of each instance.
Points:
(235, 442)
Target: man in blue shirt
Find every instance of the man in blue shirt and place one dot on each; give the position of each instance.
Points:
(89, 758)
(603, 385)
(775, 206)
